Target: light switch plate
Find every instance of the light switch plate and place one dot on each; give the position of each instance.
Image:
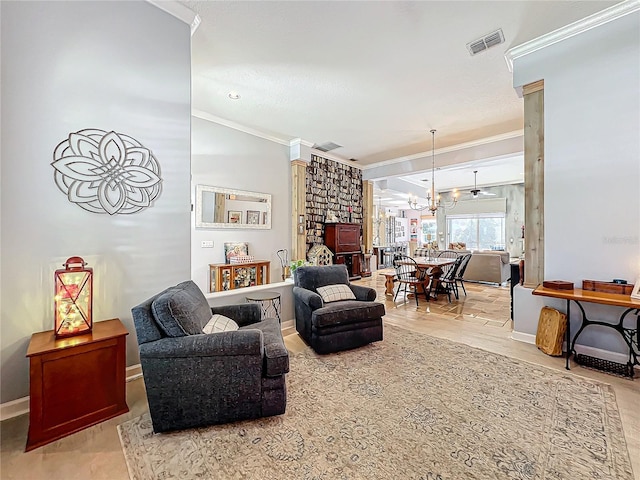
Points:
(206, 244)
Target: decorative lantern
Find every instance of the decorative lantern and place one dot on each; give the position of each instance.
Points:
(73, 298)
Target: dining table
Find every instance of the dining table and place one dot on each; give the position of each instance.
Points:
(436, 265)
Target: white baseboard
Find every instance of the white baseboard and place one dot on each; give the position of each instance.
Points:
(603, 354)
(288, 324)
(583, 349)
(14, 408)
(523, 337)
(20, 406)
(134, 372)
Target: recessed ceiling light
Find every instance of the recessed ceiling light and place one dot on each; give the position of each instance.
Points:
(234, 95)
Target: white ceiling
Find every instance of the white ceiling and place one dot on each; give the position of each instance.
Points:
(374, 77)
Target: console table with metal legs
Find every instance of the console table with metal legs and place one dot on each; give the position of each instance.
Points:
(629, 335)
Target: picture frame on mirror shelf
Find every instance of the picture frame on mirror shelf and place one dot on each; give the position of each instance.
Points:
(253, 217)
(235, 216)
(635, 293)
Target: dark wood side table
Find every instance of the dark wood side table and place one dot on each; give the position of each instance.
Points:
(75, 382)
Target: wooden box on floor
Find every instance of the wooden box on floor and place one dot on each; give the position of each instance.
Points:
(552, 326)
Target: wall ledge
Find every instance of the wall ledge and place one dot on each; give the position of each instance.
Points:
(245, 290)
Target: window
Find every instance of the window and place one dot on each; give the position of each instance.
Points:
(477, 231)
(428, 230)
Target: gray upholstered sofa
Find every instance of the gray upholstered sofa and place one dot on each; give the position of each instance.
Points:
(488, 266)
(195, 379)
(338, 325)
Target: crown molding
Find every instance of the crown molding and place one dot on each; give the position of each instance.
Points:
(257, 133)
(335, 158)
(179, 11)
(452, 148)
(592, 21)
(320, 153)
(300, 141)
(236, 126)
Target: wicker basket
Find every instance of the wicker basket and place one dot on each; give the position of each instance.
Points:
(551, 328)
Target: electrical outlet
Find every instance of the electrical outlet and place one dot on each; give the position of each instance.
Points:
(206, 244)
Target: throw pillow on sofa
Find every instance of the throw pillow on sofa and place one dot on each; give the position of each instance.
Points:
(335, 293)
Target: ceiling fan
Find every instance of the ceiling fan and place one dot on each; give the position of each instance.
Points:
(476, 191)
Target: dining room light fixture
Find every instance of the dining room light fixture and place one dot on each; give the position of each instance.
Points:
(434, 202)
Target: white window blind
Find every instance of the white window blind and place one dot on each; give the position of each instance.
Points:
(479, 206)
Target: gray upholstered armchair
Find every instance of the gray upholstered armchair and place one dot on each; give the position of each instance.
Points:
(195, 379)
(337, 325)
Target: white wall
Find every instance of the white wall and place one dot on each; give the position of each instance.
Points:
(67, 66)
(224, 157)
(592, 162)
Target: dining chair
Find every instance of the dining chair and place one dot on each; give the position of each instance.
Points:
(410, 275)
(460, 273)
(447, 282)
(448, 254)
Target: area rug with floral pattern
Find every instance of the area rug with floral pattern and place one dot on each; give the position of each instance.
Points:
(409, 407)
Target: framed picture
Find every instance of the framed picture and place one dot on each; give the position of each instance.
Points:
(636, 290)
(232, 249)
(253, 217)
(235, 216)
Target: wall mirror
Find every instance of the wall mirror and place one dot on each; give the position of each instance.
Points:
(218, 207)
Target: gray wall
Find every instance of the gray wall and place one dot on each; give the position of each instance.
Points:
(67, 66)
(224, 157)
(592, 167)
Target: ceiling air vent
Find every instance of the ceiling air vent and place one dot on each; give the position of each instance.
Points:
(325, 147)
(488, 41)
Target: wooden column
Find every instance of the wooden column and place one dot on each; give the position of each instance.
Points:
(298, 210)
(534, 183)
(367, 216)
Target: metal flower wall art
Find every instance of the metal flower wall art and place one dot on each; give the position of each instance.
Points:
(106, 172)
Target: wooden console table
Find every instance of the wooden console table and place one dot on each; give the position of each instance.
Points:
(229, 276)
(75, 382)
(578, 296)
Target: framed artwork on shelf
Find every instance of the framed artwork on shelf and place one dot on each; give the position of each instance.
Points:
(253, 217)
(235, 216)
(233, 249)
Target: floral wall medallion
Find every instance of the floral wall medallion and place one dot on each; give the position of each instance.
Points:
(106, 172)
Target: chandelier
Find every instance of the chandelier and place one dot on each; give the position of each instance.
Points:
(434, 202)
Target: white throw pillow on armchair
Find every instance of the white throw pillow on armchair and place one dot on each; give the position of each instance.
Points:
(334, 293)
(220, 323)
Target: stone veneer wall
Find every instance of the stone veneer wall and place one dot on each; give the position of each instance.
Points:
(331, 187)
